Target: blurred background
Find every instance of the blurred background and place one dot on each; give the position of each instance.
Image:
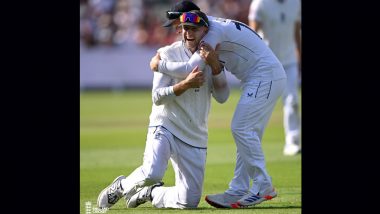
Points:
(119, 37)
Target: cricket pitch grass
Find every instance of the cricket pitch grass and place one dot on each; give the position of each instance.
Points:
(113, 127)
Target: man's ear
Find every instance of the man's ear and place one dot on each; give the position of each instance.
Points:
(206, 29)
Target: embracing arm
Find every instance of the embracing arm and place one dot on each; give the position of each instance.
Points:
(182, 69)
(163, 91)
(221, 91)
(176, 69)
(195, 79)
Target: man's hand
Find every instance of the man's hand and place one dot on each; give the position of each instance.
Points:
(211, 57)
(154, 62)
(194, 80)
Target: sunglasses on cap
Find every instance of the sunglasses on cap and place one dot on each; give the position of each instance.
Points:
(192, 18)
(173, 14)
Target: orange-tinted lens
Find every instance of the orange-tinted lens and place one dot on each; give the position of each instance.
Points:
(189, 17)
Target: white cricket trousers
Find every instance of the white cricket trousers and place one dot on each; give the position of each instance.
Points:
(188, 163)
(291, 106)
(255, 107)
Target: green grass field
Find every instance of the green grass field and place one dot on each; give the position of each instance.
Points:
(113, 129)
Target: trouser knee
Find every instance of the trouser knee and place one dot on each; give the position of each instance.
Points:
(236, 129)
(192, 200)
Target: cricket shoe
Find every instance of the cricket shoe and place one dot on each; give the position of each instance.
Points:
(291, 149)
(251, 199)
(222, 200)
(111, 194)
(143, 195)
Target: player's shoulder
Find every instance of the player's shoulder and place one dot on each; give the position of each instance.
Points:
(217, 22)
(171, 51)
(174, 46)
(258, 3)
(177, 44)
(211, 18)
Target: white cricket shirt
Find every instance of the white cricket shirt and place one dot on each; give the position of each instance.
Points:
(278, 25)
(185, 116)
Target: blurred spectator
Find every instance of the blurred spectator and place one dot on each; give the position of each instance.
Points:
(116, 22)
(230, 9)
(117, 37)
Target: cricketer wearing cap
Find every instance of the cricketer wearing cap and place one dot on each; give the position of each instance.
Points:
(177, 131)
(183, 120)
(263, 81)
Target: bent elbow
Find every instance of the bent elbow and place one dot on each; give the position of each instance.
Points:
(156, 99)
(223, 97)
(157, 102)
(223, 100)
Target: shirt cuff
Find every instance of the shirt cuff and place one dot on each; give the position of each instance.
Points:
(219, 76)
(171, 90)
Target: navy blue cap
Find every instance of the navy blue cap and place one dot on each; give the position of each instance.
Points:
(177, 9)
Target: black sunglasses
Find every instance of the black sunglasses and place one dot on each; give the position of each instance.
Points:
(173, 14)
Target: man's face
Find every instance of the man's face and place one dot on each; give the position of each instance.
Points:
(192, 35)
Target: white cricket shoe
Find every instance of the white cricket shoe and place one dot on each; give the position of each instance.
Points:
(222, 200)
(111, 194)
(143, 195)
(253, 199)
(291, 149)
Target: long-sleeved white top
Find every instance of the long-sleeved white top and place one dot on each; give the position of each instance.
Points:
(242, 51)
(185, 116)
